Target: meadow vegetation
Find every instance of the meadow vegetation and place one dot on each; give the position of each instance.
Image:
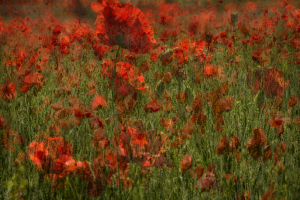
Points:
(149, 99)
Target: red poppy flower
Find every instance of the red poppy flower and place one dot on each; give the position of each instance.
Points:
(224, 104)
(274, 82)
(234, 143)
(52, 155)
(124, 25)
(8, 91)
(57, 30)
(2, 121)
(186, 162)
(100, 142)
(152, 106)
(219, 122)
(38, 156)
(207, 181)
(222, 145)
(292, 102)
(139, 139)
(276, 121)
(98, 101)
(269, 194)
(198, 171)
(128, 78)
(256, 143)
(210, 71)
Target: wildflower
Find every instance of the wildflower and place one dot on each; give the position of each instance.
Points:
(8, 91)
(53, 155)
(124, 25)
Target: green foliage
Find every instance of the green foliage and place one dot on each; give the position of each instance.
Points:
(16, 187)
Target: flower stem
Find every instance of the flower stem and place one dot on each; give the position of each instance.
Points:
(233, 46)
(114, 115)
(113, 81)
(205, 57)
(73, 189)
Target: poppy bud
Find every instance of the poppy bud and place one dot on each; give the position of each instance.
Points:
(208, 37)
(234, 17)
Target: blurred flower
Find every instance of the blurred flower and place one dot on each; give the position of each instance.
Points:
(53, 155)
(124, 25)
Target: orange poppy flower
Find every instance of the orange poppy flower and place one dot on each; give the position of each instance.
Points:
(124, 25)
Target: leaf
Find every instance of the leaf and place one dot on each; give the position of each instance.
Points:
(259, 99)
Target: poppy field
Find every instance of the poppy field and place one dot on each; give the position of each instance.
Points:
(111, 99)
